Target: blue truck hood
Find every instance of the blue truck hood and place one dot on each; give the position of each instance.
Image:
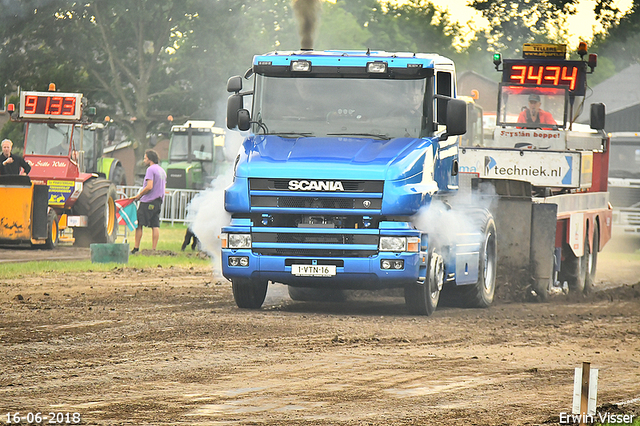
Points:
(339, 157)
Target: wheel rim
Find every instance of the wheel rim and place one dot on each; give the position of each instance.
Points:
(54, 231)
(489, 264)
(111, 215)
(589, 259)
(437, 276)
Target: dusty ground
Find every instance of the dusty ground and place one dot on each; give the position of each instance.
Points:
(168, 346)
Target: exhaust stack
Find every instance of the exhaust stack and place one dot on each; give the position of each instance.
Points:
(307, 13)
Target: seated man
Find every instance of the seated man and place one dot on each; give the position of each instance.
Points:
(534, 114)
(61, 149)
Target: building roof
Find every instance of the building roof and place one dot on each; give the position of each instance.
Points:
(617, 92)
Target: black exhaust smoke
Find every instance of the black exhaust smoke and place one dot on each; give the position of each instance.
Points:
(307, 13)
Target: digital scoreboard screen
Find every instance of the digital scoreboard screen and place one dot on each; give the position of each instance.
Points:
(569, 74)
(51, 105)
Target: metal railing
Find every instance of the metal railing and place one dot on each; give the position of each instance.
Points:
(174, 206)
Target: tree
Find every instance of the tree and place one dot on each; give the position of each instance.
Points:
(515, 22)
(620, 43)
(413, 26)
(115, 52)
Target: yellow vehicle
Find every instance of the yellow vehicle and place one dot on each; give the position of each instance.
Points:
(28, 218)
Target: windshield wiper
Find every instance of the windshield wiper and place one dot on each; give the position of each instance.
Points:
(291, 134)
(369, 135)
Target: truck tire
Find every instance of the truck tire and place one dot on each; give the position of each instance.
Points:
(574, 270)
(97, 202)
(592, 263)
(119, 177)
(248, 293)
(481, 294)
(53, 232)
(303, 294)
(422, 297)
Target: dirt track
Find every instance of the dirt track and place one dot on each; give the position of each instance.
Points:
(168, 346)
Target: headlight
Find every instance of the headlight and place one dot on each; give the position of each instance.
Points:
(237, 241)
(393, 243)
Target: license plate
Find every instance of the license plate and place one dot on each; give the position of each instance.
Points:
(313, 270)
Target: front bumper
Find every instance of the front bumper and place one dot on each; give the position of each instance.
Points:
(350, 272)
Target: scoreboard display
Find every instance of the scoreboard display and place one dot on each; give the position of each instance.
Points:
(569, 74)
(51, 105)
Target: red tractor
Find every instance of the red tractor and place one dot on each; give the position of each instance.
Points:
(53, 146)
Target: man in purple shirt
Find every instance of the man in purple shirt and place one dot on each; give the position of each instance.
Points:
(150, 197)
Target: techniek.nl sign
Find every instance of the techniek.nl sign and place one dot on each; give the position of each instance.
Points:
(556, 169)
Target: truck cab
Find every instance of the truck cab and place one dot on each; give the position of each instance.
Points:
(624, 183)
(195, 154)
(344, 148)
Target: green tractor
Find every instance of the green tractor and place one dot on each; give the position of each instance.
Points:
(196, 154)
(110, 168)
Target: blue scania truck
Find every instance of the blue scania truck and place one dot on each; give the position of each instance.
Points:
(347, 179)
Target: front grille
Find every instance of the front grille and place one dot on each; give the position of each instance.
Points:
(632, 218)
(320, 243)
(284, 251)
(314, 238)
(371, 186)
(290, 202)
(176, 179)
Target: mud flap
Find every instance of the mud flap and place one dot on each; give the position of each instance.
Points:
(526, 237)
(40, 210)
(543, 237)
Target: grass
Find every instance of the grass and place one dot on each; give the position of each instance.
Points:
(171, 238)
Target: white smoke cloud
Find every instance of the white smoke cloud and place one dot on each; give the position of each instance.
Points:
(207, 216)
(443, 220)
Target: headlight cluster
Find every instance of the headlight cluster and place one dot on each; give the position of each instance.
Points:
(238, 261)
(236, 241)
(392, 264)
(411, 244)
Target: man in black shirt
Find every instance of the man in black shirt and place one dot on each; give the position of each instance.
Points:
(10, 164)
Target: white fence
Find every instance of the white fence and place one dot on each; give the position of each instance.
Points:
(174, 207)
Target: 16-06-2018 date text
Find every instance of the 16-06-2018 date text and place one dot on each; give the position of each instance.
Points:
(50, 418)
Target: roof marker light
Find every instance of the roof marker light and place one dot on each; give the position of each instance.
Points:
(300, 66)
(377, 67)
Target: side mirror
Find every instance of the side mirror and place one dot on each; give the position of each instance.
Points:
(234, 104)
(234, 84)
(244, 120)
(456, 117)
(111, 134)
(598, 115)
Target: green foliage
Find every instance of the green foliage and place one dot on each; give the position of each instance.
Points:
(13, 131)
(39, 268)
(620, 43)
(171, 237)
(515, 22)
(141, 61)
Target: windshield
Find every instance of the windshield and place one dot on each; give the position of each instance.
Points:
(532, 107)
(201, 146)
(379, 108)
(50, 138)
(624, 159)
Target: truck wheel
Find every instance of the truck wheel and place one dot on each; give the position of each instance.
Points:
(422, 297)
(301, 294)
(481, 294)
(97, 202)
(248, 293)
(573, 269)
(53, 232)
(119, 176)
(592, 262)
